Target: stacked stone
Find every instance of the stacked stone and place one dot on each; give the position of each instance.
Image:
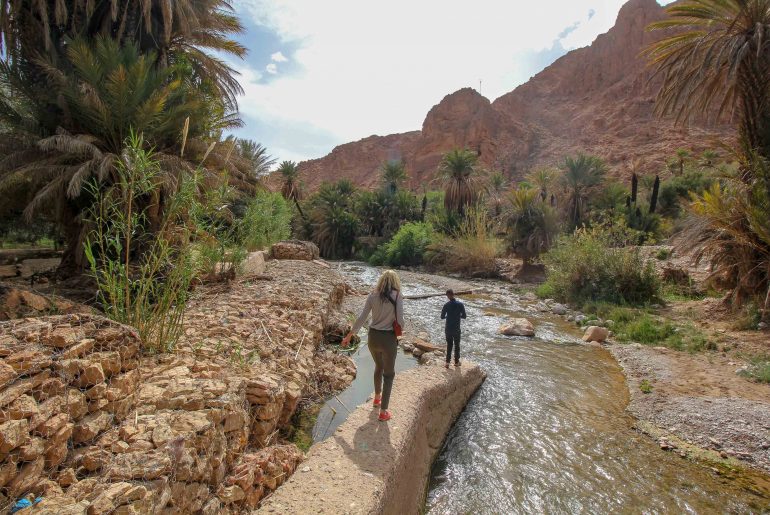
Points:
(92, 428)
(64, 380)
(259, 473)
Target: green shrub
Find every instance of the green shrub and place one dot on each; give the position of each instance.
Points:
(758, 370)
(267, 220)
(472, 251)
(645, 386)
(150, 292)
(407, 248)
(584, 267)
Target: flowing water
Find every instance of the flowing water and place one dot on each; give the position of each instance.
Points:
(547, 432)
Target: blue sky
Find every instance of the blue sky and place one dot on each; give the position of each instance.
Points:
(322, 73)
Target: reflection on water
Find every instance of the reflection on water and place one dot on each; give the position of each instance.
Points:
(548, 431)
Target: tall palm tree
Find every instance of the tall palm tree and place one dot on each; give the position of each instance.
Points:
(291, 188)
(334, 225)
(393, 175)
(458, 170)
(717, 61)
(580, 175)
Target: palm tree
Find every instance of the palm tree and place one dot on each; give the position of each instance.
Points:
(334, 225)
(393, 175)
(581, 174)
(103, 91)
(497, 185)
(681, 156)
(531, 224)
(183, 33)
(458, 169)
(256, 154)
(717, 61)
(543, 178)
(291, 188)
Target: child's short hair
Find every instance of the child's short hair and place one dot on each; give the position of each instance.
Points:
(450, 292)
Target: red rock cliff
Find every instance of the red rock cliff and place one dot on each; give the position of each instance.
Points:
(598, 99)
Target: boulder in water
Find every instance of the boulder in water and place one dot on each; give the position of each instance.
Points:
(518, 327)
(595, 333)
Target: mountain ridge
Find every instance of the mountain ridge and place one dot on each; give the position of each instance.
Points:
(597, 99)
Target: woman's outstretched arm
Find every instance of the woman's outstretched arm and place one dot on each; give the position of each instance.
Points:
(400, 309)
(359, 323)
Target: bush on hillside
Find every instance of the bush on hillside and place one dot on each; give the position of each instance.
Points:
(584, 267)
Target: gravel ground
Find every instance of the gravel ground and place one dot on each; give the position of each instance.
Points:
(699, 399)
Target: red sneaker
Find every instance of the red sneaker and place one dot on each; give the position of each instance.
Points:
(377, 401)
(384, 416)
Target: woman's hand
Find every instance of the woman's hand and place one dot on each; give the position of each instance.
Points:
(346, 340)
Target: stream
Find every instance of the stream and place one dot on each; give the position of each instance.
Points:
(548, 431)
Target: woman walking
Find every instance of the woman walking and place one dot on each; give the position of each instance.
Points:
(385, 303)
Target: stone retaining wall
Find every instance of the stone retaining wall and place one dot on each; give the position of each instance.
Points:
(93, 423)
(369, 466)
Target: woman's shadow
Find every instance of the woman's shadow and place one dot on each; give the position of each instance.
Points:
(372, 450)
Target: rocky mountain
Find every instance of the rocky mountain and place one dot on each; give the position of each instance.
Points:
(598, 99)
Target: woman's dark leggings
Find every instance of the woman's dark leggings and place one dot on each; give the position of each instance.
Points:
(383, 345)
(453, 340)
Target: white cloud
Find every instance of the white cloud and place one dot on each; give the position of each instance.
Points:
(271, 68)
(278, 57)
(365, 68)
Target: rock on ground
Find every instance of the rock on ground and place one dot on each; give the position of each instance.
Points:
(295, 249)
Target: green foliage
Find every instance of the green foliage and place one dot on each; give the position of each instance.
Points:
(408, 246)
(333, 223)
(732, 226)
(458, 170)
(676, 190)
(585, 267)
(581, 175)
(267, 220)
(531, 224)
(471, 250)
(645, 386)
(758, 369)
(611, 197)
(148, 291)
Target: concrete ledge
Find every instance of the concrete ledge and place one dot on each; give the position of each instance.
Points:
(369, 466)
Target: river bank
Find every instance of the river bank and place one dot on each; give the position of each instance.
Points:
(554, 415)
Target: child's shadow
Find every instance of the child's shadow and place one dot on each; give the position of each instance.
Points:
(371, 450)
